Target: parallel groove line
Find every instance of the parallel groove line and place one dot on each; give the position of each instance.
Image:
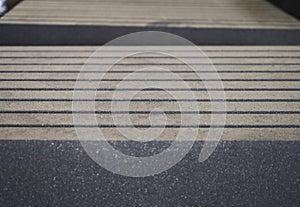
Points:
(142, 126)
(149, 89)
(144, 100)
(91, 51)
(144, 112)
(142, 64)
(150, 71)
(134, 80)
(149, 57)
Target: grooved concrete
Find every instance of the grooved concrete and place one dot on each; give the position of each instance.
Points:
(204, 13)
(255, 164)
(261, 84)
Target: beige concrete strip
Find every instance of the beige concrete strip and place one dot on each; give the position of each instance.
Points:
(200, 14)
(146, 106)
(153, 94)
(157, 76)
(252, 134)
(143, 119)
(130, 62)
(106, 84)
(41, 108)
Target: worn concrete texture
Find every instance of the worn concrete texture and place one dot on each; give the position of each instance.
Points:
(256, 162)
(204, 13)
(261, 85)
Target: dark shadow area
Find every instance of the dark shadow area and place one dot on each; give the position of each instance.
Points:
(290, 6)
(19, 34)
(9, 5)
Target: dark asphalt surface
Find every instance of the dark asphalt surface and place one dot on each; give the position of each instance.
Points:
(239, 173)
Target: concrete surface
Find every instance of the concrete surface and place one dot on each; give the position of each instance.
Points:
(204, 13)
(261, 84)
(256, 163)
